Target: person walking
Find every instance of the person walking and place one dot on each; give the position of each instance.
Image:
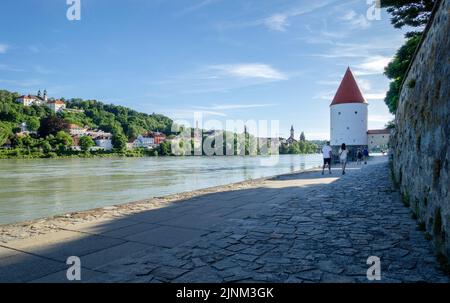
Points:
(359, 157)
(327, 153)
(343, 153)
(365, 154)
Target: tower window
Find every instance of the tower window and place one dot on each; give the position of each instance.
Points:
(348, 127)
(339, 113)
(356, 113)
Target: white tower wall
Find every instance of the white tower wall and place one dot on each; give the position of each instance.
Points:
(349, 124)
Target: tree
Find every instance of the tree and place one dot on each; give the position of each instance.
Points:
(51, 126)
(46, 146)
(397, 68)
(86, 143)
(413, 13)
(302, 137)
(63, 138)
(5, 133)
(165, 148)
(119, 141)
(33, 124)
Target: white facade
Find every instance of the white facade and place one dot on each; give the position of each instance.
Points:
(378, 141)
(76, 130)
(29, 100)
(349, 124)
(56, 106)
(105, 144)
(141, 141)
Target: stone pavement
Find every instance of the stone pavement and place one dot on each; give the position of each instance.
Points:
(294, 228)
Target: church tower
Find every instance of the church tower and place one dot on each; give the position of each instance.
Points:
(292, 132)
(349, 115)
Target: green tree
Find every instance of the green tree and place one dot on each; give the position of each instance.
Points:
(86, 143)
(165, 148)
(33, 123)
(302, 137)
(397, 68)
(63, 138)
(119, 142)
(414, 13)
(5, 133)
(46, 146)
(409, 12)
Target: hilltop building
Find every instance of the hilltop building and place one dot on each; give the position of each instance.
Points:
(39, 99)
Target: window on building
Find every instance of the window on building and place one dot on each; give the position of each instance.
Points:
(339, 113)
(356, 113)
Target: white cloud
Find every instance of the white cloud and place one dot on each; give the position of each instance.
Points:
(317, 135)
(277, 22)
(191, 113)
(349, 16)
(380, 118)
(4, 48)
(22, 83)
(42, 70)
(238, 106)
(328, 82)
(251, 70)
(8, 68)
(197, 6)
(356, 20)
(325, 95)
(375, 96)
(372, 66)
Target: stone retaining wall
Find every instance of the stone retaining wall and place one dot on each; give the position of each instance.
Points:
(420, 142)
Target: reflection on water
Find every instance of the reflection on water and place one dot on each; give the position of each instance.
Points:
(32, 189)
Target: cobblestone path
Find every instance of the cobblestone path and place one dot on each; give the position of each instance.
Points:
(296, 228)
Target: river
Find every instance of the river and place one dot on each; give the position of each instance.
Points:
(31, 189)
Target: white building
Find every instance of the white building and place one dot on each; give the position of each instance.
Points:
(56, 105)
(105, 144)
(378, 139)
(76, 130)
(29, 100)
(144, 142)
(349, 115)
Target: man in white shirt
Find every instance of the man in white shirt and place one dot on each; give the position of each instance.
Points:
(327, 153)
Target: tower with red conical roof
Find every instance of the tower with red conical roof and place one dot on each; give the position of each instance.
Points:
(349, 115)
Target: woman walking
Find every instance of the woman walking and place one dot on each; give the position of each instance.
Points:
(343, 153)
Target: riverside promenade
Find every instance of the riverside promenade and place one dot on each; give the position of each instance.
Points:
(295, 228)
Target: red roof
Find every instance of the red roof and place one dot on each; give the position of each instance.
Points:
(379, 132)
(348, 91)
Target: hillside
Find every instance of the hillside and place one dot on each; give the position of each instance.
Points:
(118, 120)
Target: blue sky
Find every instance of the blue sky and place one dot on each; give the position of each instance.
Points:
(230, 59)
